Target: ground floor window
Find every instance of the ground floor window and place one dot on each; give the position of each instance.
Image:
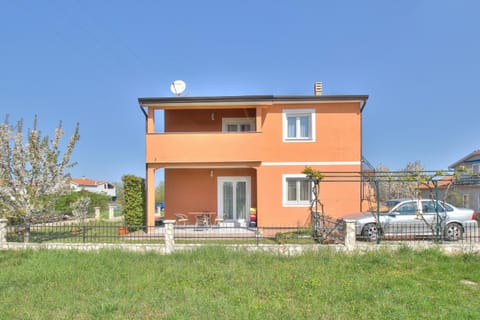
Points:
(297, 190)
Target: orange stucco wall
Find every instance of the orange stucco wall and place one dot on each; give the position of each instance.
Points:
(201, 120)
(339, 198)
(195, 190)
(189, 142)
(337, 137)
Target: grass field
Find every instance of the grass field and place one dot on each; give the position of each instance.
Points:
(214, 283)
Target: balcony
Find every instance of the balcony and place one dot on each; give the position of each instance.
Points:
(205, 147)
(468, 180)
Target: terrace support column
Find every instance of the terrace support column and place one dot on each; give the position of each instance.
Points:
(258, 119)
(350, 238)
(150, 218)
(151, 121)
(169, 236)
(3, 231)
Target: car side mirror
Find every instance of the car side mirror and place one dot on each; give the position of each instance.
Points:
(393, 213)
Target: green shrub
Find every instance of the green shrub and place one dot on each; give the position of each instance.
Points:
(96, 200)
(134, 202)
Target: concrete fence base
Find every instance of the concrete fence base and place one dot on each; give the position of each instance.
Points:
(282, 249)
(3, 231)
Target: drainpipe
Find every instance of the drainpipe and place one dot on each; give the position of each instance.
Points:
(361, 150)
(146, 167)
(143, 110)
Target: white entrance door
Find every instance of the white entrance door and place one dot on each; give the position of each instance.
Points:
(234, 198)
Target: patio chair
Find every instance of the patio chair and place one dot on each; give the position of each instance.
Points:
(181, 218)
(219, 221)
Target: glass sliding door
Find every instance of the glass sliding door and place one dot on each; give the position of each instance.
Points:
(233, 198)
(227, 200)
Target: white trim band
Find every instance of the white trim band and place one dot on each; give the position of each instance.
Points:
(322, 163)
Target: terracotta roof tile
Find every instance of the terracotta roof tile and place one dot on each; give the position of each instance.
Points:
(87, 182)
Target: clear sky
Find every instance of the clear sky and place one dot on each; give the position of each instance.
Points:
(88, 61)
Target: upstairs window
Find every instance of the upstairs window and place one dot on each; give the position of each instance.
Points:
(238, 124)
(298, 125)
(475, 168)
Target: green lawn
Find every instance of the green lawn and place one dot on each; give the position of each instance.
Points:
(214, 283)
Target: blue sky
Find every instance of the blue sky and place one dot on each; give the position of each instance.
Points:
(88, 61)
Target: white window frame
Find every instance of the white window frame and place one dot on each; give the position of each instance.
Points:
(475, 168)
(238, 121)
(248, 194)
(296, 203)
(298, 113)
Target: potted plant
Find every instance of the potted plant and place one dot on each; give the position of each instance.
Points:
(122, 231)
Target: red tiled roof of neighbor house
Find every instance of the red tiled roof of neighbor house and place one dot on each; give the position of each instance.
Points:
(442, 182)
(86, 182)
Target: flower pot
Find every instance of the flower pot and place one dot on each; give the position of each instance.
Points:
(75, 231)
(122, 231)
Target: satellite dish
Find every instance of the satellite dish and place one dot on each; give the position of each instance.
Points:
(177, 87)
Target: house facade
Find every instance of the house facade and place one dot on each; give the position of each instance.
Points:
(96, 186)
(225, 155)
(467, 184)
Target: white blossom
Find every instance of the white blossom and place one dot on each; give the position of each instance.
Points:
(32, 173)
(80, 208)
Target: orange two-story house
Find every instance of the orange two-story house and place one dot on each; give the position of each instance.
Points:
(225, 155)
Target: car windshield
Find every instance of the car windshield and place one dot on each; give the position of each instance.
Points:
(388, 205)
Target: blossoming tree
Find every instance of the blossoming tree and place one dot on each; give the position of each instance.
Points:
(32, 171)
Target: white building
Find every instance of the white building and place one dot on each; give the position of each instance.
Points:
(96, 186)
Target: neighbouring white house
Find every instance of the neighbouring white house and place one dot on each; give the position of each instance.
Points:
(96, 186)
(464, 189)
(467, 185)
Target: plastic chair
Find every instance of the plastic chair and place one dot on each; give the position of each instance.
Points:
(219, 221)
(181, 218)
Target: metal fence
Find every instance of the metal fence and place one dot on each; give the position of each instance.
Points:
(92, 232)
(229, 234)
(116, 232)
(418, 232)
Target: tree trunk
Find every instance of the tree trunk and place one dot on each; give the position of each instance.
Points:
(26, 234)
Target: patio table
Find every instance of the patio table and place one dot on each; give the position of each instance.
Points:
(202, 218)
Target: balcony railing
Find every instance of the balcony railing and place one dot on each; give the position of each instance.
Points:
(468, 180)
(203, 147)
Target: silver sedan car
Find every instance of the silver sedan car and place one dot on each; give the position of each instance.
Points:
(405, 218)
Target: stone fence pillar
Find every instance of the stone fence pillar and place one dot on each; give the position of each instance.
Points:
(350, 237)
(169, 236)
(3, 231)
(97, 213)
(111, 212)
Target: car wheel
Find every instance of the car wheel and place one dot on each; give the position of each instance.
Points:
(453, 232)
(370, 232)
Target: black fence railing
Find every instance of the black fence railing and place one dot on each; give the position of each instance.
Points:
(271, 234)
(451, 233)
(81, 233)
(116, 232)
